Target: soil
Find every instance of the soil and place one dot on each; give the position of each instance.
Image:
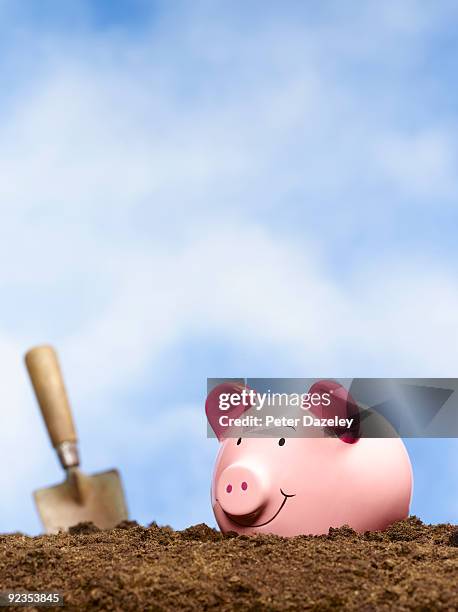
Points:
(411, 566)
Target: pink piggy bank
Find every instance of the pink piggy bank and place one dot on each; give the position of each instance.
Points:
(290, 486)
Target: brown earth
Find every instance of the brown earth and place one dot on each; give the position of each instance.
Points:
(409, 567)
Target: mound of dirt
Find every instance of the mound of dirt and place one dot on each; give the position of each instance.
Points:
(411, 566)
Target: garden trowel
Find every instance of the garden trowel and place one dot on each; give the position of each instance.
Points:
(98, 498)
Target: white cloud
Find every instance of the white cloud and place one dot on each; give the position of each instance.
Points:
(421, 165)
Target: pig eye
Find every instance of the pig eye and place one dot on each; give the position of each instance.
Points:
(281, 442)
(239, 441)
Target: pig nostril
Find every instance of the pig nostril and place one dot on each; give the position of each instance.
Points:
(244, 486)
(229, 488)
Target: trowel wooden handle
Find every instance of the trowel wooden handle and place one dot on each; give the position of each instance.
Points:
(47, 381)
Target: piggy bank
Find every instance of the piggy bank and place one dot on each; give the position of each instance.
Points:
(290, 486)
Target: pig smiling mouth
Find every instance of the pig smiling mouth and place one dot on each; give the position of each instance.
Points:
(248, 524)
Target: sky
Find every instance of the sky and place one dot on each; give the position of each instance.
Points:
(215, 189)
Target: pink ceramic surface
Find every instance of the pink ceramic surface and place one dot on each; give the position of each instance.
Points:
(294, 486)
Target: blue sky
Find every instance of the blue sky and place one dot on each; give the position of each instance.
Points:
(207, 189)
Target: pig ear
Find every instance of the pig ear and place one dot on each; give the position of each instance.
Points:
(214, 411)
(342, 405)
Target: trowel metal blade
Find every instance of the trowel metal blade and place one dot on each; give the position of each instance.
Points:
(103, 504)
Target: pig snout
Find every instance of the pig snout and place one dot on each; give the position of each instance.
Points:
(241, 492)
